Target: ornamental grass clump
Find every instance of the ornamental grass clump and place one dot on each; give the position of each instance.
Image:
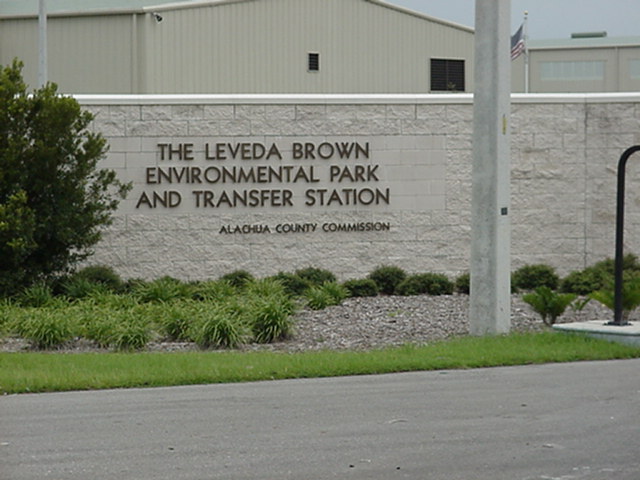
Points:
(46, 328)
(218, 326)
(271, 319)
(131, 332)
(323, 296)
(163, 290)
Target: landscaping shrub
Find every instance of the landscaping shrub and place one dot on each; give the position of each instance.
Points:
(388, 278)
(584, 282)
(530, 277)
(317, 298)
(46, 327)
(77, 287)
(630, 296)
(265, 287)
(336, 291)
(425, 283)
(271, 319)
(218, 327)
(548, 304)
(316, 276)
(598, 276)
(162, 290)
(292, 283)
(365, 287)
(101, 274)
(325, 295)
(37, 295)
(463, 283)
(176, 320)
(238, 278)
(130, 332)
(212, 290)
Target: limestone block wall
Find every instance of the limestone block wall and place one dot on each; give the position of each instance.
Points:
(347, 183)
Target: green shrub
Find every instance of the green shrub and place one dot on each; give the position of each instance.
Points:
(336, 291)
(238, 278)
(585, 281)
(218, 327)
(100, 329)
(364, 287)
(425, 283)
(548, 304)
(530, 277)
(162, 290)
(103, 275)
(292, 283)
(630, 296)
(463, 283)
(271, 319)
(47, 328)
(317, 298)
(130, 332)
(265, 287)
(176, 320)
(325, 295)
(77, 287)
(598, 276)
(37, 295)
(213, 290)
(316, 276)
(388, 278)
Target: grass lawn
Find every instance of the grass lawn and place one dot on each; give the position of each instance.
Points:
(50, 372)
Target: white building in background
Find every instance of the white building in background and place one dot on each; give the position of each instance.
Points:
(586, 62)
(239, 46)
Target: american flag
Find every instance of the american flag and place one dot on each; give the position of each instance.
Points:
(517, 43)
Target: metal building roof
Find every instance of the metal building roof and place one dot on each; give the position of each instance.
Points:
(587, 42)
(29, 8)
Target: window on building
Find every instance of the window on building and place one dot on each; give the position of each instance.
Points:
(634, 69)
(572, 71)
(447, 75)
(313, 62)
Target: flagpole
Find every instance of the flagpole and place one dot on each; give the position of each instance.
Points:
(42, 44)
(526, 53)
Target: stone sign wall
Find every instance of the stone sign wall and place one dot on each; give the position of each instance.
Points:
(270, 184)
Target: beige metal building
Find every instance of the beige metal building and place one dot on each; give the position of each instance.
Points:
(244, 46)
(587, 62)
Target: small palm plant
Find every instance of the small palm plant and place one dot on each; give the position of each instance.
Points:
(548, 303)
(630, 297)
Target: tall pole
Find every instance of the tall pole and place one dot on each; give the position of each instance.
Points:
(42, 44)
(526, 51)
(490, 301)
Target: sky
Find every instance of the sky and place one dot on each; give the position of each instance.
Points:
(547, 18)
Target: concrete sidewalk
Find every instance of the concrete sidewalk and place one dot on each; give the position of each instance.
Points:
(566, 421)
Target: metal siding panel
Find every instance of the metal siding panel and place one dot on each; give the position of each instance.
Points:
(261, 47)
(90, 54)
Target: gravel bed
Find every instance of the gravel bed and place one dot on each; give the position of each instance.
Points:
(374, 322)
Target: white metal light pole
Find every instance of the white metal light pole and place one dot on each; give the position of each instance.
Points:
(42, 44)
(490, 302)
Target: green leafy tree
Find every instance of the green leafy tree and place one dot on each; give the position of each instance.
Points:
(53, 198)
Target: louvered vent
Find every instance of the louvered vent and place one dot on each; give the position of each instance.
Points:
(447, 75)
(314, 62)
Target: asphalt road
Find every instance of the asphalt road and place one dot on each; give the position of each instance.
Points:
(565, 422)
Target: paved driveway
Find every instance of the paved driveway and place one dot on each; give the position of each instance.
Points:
(569, 421)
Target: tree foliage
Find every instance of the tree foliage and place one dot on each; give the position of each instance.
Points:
(53, 198)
